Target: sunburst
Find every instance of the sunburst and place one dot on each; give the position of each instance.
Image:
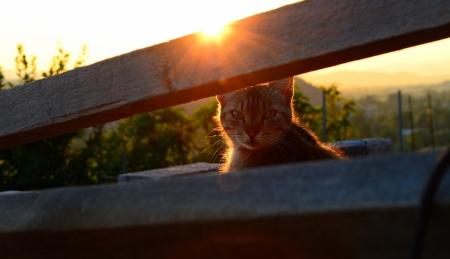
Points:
(214, 29)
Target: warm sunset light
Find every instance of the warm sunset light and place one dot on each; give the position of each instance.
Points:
(141, 24)
(213, 29)
(146, 23)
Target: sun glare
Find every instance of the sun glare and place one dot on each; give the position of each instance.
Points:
(213, 30)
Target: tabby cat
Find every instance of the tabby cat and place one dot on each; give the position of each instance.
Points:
(260, 128)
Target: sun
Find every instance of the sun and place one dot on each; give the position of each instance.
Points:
(213, 29)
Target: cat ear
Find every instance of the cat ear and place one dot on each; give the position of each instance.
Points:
(285, 86)
(221, 98)
(224, 98)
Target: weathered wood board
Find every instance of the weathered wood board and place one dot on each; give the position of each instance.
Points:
(287, 41)
(362, 208)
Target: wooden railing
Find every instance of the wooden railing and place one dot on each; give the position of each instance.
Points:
(343, 209)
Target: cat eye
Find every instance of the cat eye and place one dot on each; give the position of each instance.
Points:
(237, 115)
(270, 114)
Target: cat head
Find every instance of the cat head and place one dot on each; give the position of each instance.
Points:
(258, 116)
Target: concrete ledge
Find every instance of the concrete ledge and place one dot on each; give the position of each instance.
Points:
(363, 147)
(362, 208)
(352, 148)
(174, 171)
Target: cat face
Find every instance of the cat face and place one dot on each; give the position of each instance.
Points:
(259, 116)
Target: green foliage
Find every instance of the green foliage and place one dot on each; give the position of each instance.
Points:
(365, 131)
(152, 140)
(389, 133)
(82, 58)
(61, 60)
(339, 112)
(2, 84)
(310, 116)
(26, 68)
(382, 116)
(41, 164)
(442, 136)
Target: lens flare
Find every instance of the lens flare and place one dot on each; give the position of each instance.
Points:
(213, 30)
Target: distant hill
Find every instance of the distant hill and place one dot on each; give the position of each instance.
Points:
(436, 87)
(313, 93)
(191, 106)
(350, 79)
(383, 91)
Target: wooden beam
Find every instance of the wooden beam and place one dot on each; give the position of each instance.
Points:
(287, 41)
(362, 208)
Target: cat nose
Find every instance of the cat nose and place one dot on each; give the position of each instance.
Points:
(252, 134)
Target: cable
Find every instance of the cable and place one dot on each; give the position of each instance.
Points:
(426, 204)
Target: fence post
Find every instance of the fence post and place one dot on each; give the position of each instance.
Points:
(324, 115)
(430, 121)
(400, 121)
(411, 120)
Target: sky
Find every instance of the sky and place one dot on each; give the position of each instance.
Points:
(427, 59)
(111, 28)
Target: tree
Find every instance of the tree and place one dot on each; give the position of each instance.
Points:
(310, 116)
(365, 131)
(339, 111)
(46, 163)
(2, 84)
(26, 69)
(61, 60)
(151, 140)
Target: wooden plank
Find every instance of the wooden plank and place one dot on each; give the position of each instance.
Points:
(362, 208)
(287, 41)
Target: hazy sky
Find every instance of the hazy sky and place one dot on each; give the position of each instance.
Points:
(111, 28)
(428, 59)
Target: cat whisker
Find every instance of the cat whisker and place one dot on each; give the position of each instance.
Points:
(213, 144)
(212, 136)
(219, 149)
(217, 130)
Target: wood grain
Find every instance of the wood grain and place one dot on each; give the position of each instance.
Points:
(287, 41)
